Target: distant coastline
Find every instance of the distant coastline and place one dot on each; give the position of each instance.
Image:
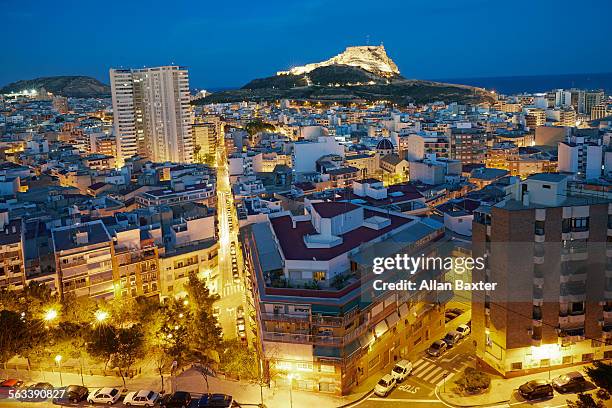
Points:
(538, 83)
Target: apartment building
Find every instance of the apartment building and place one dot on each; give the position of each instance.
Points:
(205, 138)
(535, 117)
(152, 114)
(136, 263)
(12, 270)
(468, 144)
(84, 260)
(318, 317)
(553, 303)
(192, 247)
(418, 146)
(581, 156)
(179, 194)
(498, 156)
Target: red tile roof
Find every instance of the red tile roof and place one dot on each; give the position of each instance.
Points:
(292, 239)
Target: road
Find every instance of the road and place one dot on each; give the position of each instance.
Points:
(231, 292)
(429, 377)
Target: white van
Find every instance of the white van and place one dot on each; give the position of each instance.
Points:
(385, 386)
(402, 369)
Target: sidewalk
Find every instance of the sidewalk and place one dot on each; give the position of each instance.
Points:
(251, 394)
(246, 394)
(500, 391)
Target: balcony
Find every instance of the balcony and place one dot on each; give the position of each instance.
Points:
(538, 295)
(571, 320)
(328, 340)
(284, 317)
(298, 338)
(580, 233)
(571, 335)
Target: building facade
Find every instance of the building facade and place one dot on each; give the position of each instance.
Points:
(152, 114)
(553, 304)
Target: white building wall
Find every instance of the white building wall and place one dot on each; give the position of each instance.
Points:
(305, 155)
(594, 160)
(459, 224)
(568, 158)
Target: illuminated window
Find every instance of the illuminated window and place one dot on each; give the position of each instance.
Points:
(304, 366)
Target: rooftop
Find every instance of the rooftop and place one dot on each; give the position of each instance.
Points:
(292, 239)
(64, 238)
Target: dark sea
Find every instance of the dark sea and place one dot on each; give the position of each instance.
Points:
(539, 83)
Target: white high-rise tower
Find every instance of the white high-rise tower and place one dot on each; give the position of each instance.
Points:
(152, 113)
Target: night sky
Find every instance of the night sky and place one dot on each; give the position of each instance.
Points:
(228, 43)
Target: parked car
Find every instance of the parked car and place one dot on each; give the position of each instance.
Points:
(215, 401)
(105, 395)
(437, 348)
(180, 399)
(11, 384)
(74, 394)
(452, 338)
(569, 382)
(402, 369)
(455, 311)
(464, 330)
(39, 391)
(142, 398)
(536, 389)
(41, 386)
(385, 385)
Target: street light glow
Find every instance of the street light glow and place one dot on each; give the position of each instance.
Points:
(50, 314)
(101, 315)
(58, 358)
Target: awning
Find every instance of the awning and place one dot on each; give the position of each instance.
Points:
(366, 339)
(403, 310)
(392, 319)
(381, 328)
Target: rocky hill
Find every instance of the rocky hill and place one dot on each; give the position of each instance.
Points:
(358, 74)
(70, 86)
(373, 59)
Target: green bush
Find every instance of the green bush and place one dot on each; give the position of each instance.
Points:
(473, 381)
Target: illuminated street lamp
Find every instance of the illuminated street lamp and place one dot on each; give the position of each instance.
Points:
(50, 315)
(101, 315)
(58, 361)
(290, 378)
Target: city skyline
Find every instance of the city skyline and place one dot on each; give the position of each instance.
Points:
(318, 203)
(496, 42)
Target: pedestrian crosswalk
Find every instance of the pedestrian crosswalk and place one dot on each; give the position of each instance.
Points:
(230, 290)
(428, 371)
